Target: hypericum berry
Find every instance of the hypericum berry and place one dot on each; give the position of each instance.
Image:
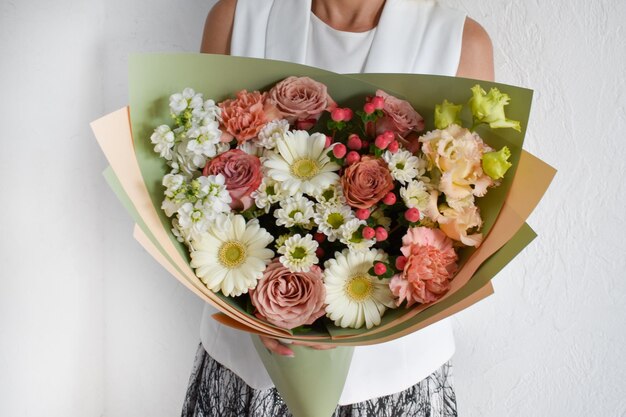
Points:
(368, 232)
(381, 234)
(378, 102)
(389, 135)
(369, 108)
(339, 150)
(329, 141)
(400, 262)
(393, 146)
(337, 114)
(347, 114)
(412, 215)
(319, 252)
(389, 199)
(379, 268)
(362, 214)
(354, 142)
(352, 157)
(319, 237)
(382, 142)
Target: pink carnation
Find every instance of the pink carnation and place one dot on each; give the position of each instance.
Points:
(431, 263)
(243, 117)
(289, 299)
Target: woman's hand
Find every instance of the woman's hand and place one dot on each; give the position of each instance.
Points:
(281, 349)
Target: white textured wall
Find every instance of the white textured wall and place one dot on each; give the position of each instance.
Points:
(91, 326)
(51, 229)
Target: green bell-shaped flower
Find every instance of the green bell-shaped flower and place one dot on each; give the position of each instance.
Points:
(489, 108)
(495, 164)
(446, 114)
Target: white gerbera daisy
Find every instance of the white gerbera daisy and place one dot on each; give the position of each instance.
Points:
(403, 165)
(295, 211)
(232, 255)
(299, 253)
(300, 163)
(353, 296)
(275, 129)
(416, 195)
(350, 236)
(330, 219)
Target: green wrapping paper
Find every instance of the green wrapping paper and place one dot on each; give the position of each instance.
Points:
(312, 382)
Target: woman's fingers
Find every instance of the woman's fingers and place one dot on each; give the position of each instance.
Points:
(317, 347)
(276, 347)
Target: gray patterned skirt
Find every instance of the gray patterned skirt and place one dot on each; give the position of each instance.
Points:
(215, 391)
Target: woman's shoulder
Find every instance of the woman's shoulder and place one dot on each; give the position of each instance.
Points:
(476, 52)
(218, 28)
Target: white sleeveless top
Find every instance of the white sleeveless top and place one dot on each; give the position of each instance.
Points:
(412, 36)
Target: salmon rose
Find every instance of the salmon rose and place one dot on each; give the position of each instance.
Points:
(366, 182)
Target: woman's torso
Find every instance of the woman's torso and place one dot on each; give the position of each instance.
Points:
(412, 36)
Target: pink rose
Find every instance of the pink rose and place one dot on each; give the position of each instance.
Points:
(366, 182)
(242, 172)
(301, 99)
(399, 116)
(289, 299)
(243, 117)
(430, 264)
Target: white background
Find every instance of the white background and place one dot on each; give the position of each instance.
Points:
(91, 326)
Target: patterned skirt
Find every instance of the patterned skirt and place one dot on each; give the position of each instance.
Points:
(215, 391)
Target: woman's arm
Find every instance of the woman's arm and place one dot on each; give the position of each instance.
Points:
(218, 28)
(476, 53)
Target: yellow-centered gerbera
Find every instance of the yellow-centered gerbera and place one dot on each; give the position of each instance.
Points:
(300, 163)
(354, 297)
(232, 255)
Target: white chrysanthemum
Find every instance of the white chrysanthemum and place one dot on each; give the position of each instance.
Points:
(232, 255)
(331, 195)
(298, 253)
(416, 195)
(350, 236)
(202, 139)
(272, 131)
(163, 139)
(268, 193)
(295, 211)
(354, 297)
(300, 163)
(404, 166)
(330, 219)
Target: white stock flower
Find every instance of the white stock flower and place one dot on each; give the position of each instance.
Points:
(272, 131)
(163, 139)
(202, 139)
(298, 253)
(354, 297)
(295, 211)
(232, 255)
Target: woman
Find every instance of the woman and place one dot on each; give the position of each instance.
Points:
(405, 377)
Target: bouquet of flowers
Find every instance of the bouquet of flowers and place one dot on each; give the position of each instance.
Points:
(319, 207)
